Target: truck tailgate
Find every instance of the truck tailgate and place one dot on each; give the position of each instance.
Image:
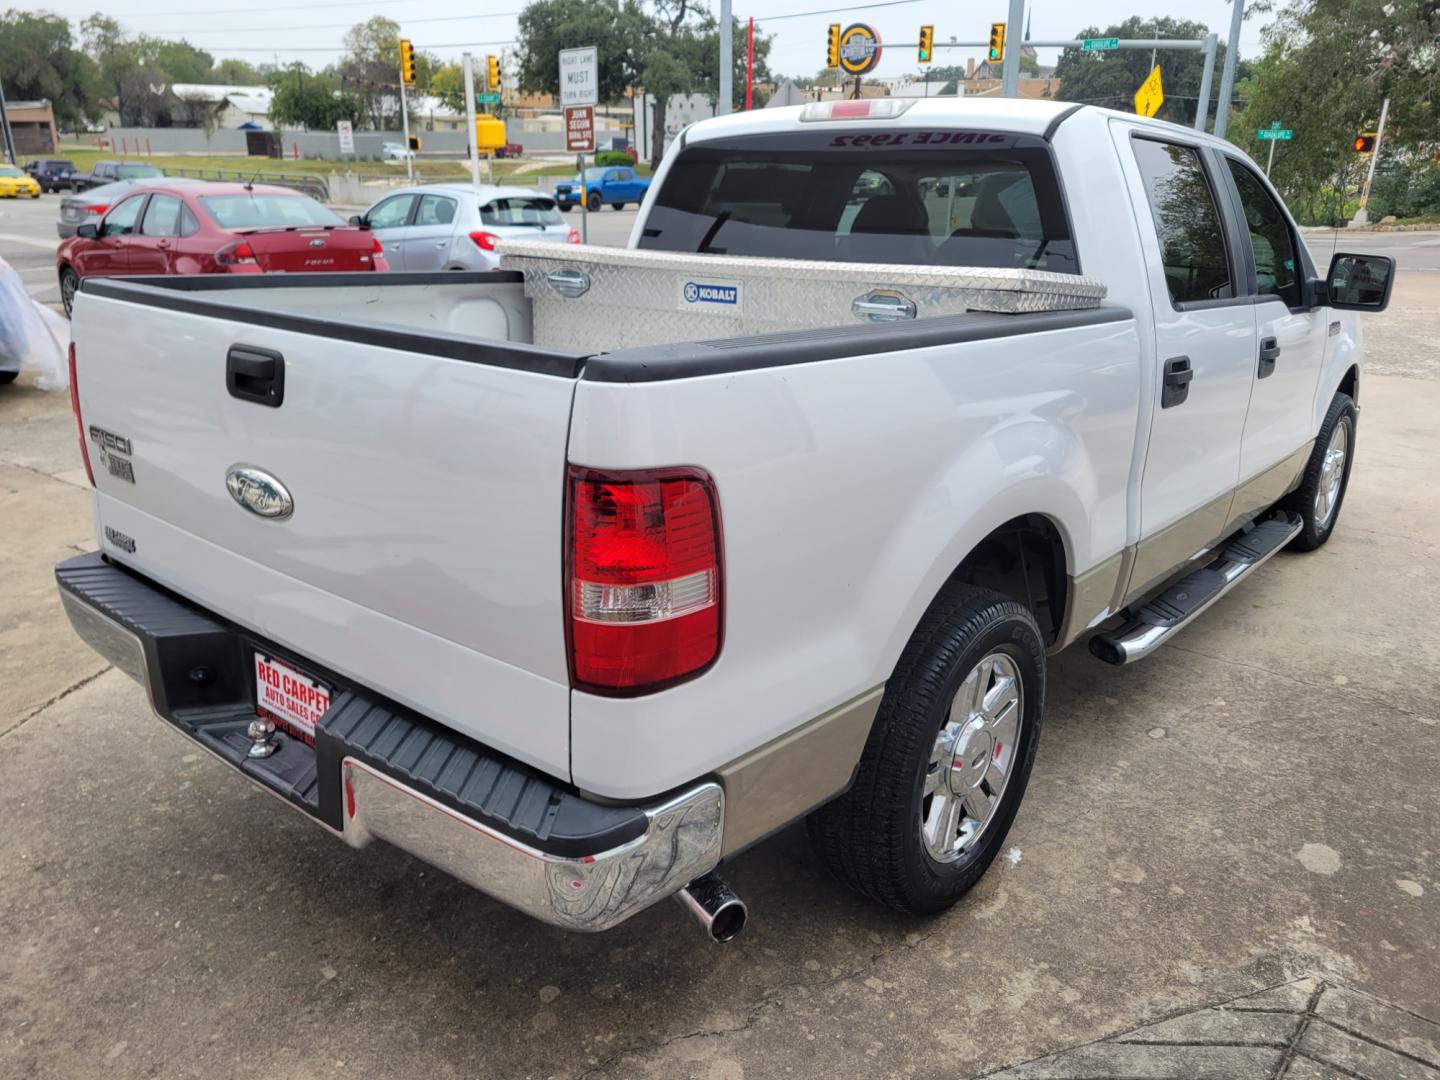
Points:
(423, 554)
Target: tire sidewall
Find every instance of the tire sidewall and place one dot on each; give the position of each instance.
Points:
(1314, 534)
(1347, 417)
(1016, 636)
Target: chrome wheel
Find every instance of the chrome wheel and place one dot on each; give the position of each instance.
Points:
(972, 759)
(1332, 475)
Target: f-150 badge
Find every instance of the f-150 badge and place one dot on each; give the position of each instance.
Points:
(259, 492)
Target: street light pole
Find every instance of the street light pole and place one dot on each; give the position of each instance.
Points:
(469, 63)
(1207, 76)
(7, 137)
(726, 102)
(1227, 77)
(1362, 217)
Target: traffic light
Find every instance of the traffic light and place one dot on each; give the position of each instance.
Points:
(415, 142)
(927, 44)
(1365, 142)
(407, 62)
(492, 77)
(997, 42)
(832, 46)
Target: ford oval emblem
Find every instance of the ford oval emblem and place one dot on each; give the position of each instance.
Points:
(259, 492)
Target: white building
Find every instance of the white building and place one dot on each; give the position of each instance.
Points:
(232, 106)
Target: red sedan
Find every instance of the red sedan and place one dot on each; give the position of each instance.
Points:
(214, 229)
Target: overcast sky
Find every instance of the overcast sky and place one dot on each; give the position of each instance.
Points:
(267, 30)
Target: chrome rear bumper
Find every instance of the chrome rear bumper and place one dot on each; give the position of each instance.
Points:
(605, 863)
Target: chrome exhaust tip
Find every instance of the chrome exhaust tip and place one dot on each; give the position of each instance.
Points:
(718, 909)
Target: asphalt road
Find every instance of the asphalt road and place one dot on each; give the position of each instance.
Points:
(1252, 810)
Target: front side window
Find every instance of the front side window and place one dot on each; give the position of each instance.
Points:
(162, 217)
(1270, 238)
(912, 197)
(391, 213)
(1187, 223)
(121, 220)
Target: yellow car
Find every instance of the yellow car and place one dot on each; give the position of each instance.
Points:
(14, 183)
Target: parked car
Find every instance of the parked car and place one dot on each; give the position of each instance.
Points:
(510, 150)
(15, 184)
(394, 151)
(212, 228)
(613, 184)
(91, 205)
(52, 174)
(107, 172)
(457, 226)
(550, 580)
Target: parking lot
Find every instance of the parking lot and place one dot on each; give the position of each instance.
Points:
(1253, 810)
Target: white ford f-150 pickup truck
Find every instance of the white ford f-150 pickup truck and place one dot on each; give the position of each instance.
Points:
(577, 578)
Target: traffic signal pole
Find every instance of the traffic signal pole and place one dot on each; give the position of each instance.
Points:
(726, 98)
(1010, 69)
(1362, 217)
(1207, 76)
(1227, 76)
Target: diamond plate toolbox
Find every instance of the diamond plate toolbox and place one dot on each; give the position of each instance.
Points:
(597, 299)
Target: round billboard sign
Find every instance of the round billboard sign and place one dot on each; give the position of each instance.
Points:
(859, 49)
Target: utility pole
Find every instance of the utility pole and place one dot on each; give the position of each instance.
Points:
(7, 137)
(726, 104)
(1227, 77)
(1010, 70)
(1362, 217)
(469, 63)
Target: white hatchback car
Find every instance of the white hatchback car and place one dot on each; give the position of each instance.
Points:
(457, 226)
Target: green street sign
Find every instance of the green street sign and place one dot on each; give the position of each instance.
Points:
(1099, 44)
(487, 99)
(1274, 134)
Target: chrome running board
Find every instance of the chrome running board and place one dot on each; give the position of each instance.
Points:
(1155, 621)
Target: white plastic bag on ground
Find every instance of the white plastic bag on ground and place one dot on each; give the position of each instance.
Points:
(30, 335)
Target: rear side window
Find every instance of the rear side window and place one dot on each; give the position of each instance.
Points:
(162, 217)
(1187, 223)
(1270, 238)
(938, 198)
(519, 210)
(435, 210)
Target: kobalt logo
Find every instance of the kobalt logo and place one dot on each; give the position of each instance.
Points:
(696, 293)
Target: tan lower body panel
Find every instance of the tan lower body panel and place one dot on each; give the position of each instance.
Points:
(788, 776)
(1271, 485)
(1094, 595)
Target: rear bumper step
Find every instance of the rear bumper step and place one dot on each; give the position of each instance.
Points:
(1160, 618)
(378, 770)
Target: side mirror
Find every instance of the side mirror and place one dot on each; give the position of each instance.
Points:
(1359, 282)
(89, 230)
(357, 219)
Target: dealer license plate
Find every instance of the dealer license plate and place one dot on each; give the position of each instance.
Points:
(290, 697)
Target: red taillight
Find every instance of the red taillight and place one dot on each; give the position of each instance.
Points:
(96, 209)
(644, 579)
(379, 247)
(573, 238)
(79, 421)
(236, 254)
(486, 241)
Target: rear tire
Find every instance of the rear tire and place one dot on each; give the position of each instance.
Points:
(565, 208)
(907, 834)
(617, 206)
(1327, 476)
(592, 202)
(8, 377)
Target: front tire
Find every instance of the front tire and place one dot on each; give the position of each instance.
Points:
(945, 768)
(69, 285)
(592, 202)
(617, 206)
(1327, 476)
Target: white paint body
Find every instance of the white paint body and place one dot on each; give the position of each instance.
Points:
(424, 558)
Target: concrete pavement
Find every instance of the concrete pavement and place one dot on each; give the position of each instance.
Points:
(1253, 807)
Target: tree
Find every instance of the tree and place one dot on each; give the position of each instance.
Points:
(311, 100)
(1110, 78)
(182, 62)
(448, 84)
(370, 69)
(237, 73)
(38, 59)
(1325, 70)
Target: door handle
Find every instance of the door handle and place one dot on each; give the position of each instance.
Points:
(256, 375)
(1176, 386)
(1269, 353)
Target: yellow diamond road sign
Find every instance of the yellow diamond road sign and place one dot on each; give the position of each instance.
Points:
(1151, 94)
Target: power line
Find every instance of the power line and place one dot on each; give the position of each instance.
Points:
(344, 26)
(335, 50)
(247, 10)
(833, 11)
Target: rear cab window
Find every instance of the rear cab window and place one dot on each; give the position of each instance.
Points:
(520, 210)
(914, 196)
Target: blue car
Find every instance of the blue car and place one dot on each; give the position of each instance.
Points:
(613, 184)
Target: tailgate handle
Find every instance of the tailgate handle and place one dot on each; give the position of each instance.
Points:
(256, 375)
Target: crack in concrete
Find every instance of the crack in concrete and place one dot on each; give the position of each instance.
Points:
(61, 695)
